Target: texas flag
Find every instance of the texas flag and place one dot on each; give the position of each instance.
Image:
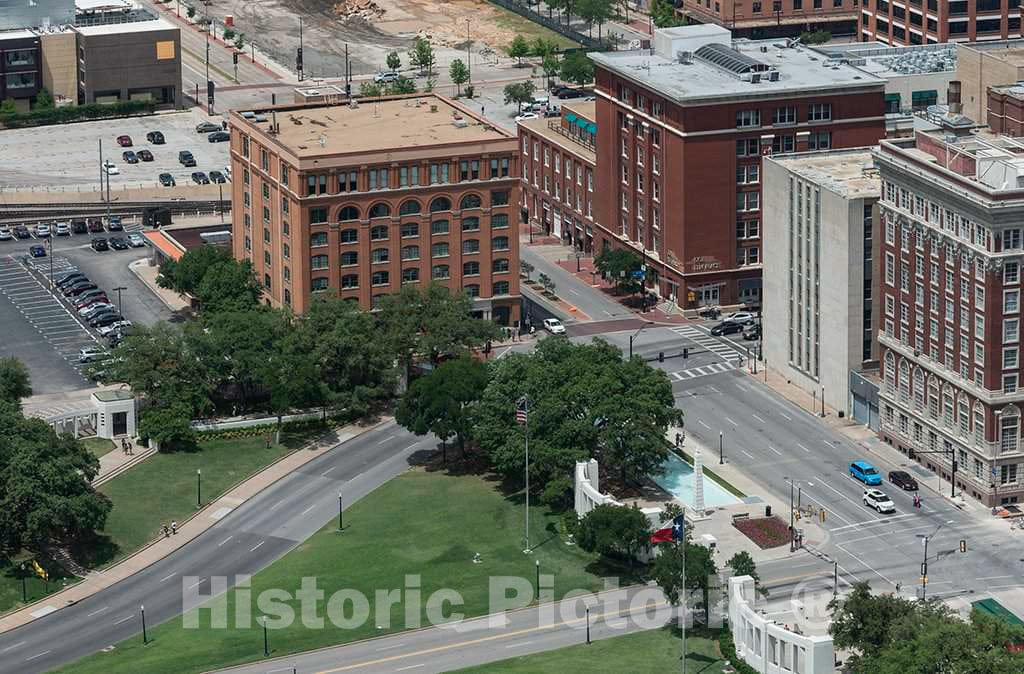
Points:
(676, 532)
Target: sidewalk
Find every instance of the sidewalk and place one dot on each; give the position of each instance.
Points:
(195, 525)
(115, 462)
(147, 274)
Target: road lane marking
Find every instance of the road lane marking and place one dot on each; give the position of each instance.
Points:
(197, 583)
(865, 564)
(308, 509)
(253, 549)
(11, 648)
(168, 577)
(841, 494)
(803, 448)
(274, 507)
(390, 437)
(703, 424)
(731, 421)
(97, 612)
(388, 648)
(402, 669)
(994, 577)
(37, 655)
(225, 540)
(124, 619)
(775, 450)
(758, 418)
(785, 416)
(524, 643)
(327, 471)
(747, 453)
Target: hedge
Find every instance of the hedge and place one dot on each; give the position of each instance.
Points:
(728, 648)
(301, 426)
(75, 113)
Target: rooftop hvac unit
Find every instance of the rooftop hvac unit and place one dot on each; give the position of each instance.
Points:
(755, 78)
(684, 57)
(773, 76)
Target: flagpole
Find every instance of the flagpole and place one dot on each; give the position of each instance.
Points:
(526, 404)
(682, 600)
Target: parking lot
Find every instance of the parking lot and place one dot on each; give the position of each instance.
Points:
(67, 156)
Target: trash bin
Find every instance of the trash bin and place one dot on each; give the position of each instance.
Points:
(767, 511)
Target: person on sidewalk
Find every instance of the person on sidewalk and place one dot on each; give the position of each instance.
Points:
(124, 447)
(167, 531)
(174, 528)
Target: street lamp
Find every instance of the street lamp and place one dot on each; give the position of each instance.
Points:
(721, 449)
(924, 561)
(633, 336)
(341, 512)
(24, 587)
(536, 593)
(145, 637)
(588, 625)
(199, 487)
(266, 641)
(118, 291)
(792, 511)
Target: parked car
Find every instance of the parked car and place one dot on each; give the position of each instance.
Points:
(167, 180)
(105, 318)
(554, 326)
(227, 172)
(570, 92)
(136, 240)
(155, 137)
(903, 480)
(88, 354)
(37, 251)
(114, 223)
(741, 317)
(119, 326)
(118, 243)
(79, 288)
(186, 158)
(99, 244)
(200, 178)
(124, 141)
(91, 310)
(526, 116)
(62, 229)
(386, 77)
(90, 298)
(726, 328)
(69, 278)
(751, 331)
(865, 472)
(79, 226)
(42, 231)
(207, 127)
(95, 225)
(876, 498)
(6, 234)
(130, 157)
(113, 171)
(219, 137)
(144, 155)
(217, 177)
(21, 231)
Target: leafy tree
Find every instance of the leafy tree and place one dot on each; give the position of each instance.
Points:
(541, 47)
(422, 55)
(551, 66)
(190, 11)
(742, 564)
(369, 89)
(394, 61)
(459, 74)
(15, 383)
(443, 401)
(239, 41)
(663, 14)
(519, 93)
(229, 34)
(169, 425)
(228, 286)
(595, 11)
(618, 265)
(614, 531)
(701, 573)
(46, 498)
(7, 107)
(44, 100)
(518, 49)
(577, 68)
(558, 493)
(815, 36)
(184, 275)
(403, 85)
(861, 621)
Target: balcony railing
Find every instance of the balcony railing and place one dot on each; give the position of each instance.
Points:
(556, 126)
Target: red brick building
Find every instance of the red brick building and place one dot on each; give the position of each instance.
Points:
(360, 199)
(952, 211)
(1005, 110)
(681, 130)
(932, 21)
(558, 166)
(774, 18)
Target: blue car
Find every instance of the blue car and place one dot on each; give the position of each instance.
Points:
(37, 251)
(865, 472)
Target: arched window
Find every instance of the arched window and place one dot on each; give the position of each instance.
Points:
(499, 243)
(500, 288)
(348, 213)
(318, 262)
(471, 268)
(904, 382)
(963, 414)
(349, 282)
(473, 290)
(918, 389)
(979, 425)
(470, 246)
(947, 406)
(318, 239)
(440, 204)
(440, 271)
(410, 207)
(380, 210)
(349, 235)
(1009, 429)
(470, 201)
(470, 224)
(349, 258)
(379, 233)
(319, 283)
(933, 398)
(890, 373)
(410, 252)
(500, 265)
(380, 255)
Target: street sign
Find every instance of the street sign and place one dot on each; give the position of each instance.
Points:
(638, 274)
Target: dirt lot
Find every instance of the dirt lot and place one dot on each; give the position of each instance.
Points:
(374, 29)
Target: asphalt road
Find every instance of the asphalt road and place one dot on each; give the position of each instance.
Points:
(591, 302)
(245, 541)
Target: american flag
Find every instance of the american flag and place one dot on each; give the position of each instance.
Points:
(521, 410)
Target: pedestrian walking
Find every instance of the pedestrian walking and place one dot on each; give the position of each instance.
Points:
(124, 447)
(167, 532)
(174, 527)
(131, 448)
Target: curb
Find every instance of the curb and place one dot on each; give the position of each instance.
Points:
(154, 541)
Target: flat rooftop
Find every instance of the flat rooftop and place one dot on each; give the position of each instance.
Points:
(372, 125)
(849, 173)
(700, 80)
(541, 128)
(16, 34)
(587, 109)
(886, 61)
(1011, 51)
(128, 27)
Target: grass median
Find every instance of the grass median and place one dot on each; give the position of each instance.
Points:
(426, 523)
(655, 651)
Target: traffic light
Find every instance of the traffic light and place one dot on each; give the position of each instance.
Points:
(298, 59)
(661, 356)
(234, 58)
(686, 352)
(963, 545)
(924, 569)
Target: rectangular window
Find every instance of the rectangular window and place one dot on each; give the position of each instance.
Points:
(746, 118)
(819, 112)
(1011, 328)
(785, 115)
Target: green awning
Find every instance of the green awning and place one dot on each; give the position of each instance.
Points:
(592, 128)
(931, 94)
(582, 123)
(892, 97)
(570, 117)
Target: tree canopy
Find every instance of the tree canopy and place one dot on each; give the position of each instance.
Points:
(518, 49)
(619, 266)
(578, 68)
(617, 531)
(519, 93)
(14, 380)
(443, 402)
(459, 73)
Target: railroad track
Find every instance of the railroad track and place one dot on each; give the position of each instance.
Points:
(13, 214)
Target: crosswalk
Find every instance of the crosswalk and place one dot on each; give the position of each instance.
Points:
(706, 341)
(703, 371)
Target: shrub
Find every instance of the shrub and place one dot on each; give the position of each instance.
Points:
(47, 116)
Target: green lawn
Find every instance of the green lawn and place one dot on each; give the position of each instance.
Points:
(530, 30)
(35, 587)
(425, 523)
(98, 446)
(655, 651)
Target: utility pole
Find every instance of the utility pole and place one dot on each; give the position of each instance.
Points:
(118, 291)
(469, 55)
(298, 60)
(721, 448)
(792, 531)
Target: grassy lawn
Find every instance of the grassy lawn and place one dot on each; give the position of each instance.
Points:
(162, 489)
(655, 651)
(35, 587)
(425, 523)
(98, 446)
(530, 30)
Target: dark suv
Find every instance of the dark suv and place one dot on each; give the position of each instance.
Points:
(186, 158)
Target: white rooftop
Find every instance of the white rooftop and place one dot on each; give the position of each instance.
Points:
(700, 64)
(16, 34)
(130, 27)
(88, 5)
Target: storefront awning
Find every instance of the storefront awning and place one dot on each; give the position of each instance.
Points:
(570, 117)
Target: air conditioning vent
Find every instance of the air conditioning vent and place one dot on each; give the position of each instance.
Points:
(773, 76)
(684, 57)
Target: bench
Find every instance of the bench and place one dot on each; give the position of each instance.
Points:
(740, 516)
